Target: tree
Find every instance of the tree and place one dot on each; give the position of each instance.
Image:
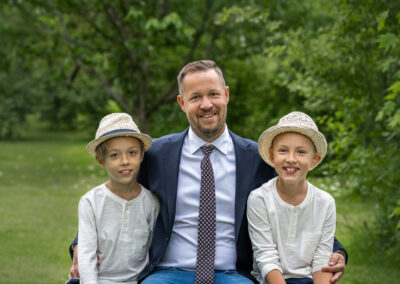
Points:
(133, 50)
(348, 74)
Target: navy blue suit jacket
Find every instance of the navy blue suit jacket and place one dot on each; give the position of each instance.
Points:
(159, 172)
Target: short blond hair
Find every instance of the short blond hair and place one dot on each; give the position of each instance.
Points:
(198, 66)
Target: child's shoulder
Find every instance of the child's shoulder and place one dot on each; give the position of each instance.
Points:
(95, 191)
(150, 196)
(265, 189)
(321, 194)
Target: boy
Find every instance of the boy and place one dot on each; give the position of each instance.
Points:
(116, 219)
(291, 222)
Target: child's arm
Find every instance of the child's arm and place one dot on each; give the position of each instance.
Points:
(266, 255)
(275, 277)
(325, 246)
(87, 243)
(320, 277)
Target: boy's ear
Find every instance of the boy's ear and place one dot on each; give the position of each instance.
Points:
(101, 163)
(316, 159)
(271, 155)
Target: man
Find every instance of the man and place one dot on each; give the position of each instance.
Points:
(171, 169)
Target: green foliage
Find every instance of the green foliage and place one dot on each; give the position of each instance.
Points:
(348, 74)
(337, 60)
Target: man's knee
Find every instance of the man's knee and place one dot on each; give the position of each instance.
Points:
(230, 276)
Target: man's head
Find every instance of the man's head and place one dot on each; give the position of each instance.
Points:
(204, 97)
(198, 66)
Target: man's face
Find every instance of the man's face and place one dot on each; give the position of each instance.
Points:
(205, 100)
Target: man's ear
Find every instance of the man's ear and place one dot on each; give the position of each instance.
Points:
(317, 157)
(181, 103)
(101, 163)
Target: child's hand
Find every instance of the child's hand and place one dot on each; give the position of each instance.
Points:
(337, 265)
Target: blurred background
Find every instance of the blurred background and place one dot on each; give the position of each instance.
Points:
(65, 64)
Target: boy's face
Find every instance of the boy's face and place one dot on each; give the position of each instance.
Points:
(122, 161)
(293, 155)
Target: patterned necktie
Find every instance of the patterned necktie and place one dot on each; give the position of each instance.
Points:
(207, 224)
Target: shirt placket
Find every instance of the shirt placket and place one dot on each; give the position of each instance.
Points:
(292, 225)
(125, 220)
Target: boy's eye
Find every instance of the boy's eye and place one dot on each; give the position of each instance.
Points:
(132, 153)
(282, 150)
(113, 155)
(302, 152)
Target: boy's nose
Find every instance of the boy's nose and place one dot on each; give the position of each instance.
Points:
(124, 159)
(291, 157)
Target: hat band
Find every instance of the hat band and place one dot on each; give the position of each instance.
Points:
(117, 131)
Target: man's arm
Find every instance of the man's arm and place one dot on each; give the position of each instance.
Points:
(338, 247)
(337, 262)
(72, 247)
(336, 265)
(74, 271)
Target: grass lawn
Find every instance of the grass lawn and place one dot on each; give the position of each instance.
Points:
(41, 180)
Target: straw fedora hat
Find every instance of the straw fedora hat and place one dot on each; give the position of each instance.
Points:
(293, 122)
(115, 125)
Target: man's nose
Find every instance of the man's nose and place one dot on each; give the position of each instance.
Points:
(206, 103)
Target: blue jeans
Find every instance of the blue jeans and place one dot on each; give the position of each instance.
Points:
(174, 276)
(299, 281)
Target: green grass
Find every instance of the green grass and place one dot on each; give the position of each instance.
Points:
(354, 228)
(41, 181)
(42, 178)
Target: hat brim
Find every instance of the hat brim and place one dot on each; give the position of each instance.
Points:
(92, 145)
(266, 138)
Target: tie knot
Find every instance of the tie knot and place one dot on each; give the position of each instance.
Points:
(207, 149)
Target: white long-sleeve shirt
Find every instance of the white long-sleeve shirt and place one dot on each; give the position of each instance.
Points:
(118, 231)
(296, 240)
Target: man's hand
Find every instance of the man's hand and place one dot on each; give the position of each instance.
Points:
(74, 272)
(336, 265)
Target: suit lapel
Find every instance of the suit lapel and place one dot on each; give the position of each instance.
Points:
(171, 159)
(243, 161)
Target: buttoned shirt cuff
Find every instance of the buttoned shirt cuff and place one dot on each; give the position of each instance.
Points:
(265, 269)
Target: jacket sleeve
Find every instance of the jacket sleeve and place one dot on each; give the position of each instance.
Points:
(338, 247)
(72, 245)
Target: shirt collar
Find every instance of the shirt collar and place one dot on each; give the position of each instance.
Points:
(221, 143)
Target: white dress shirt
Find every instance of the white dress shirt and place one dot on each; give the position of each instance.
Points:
(296, 240)
(118, 231)
(182, 247)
